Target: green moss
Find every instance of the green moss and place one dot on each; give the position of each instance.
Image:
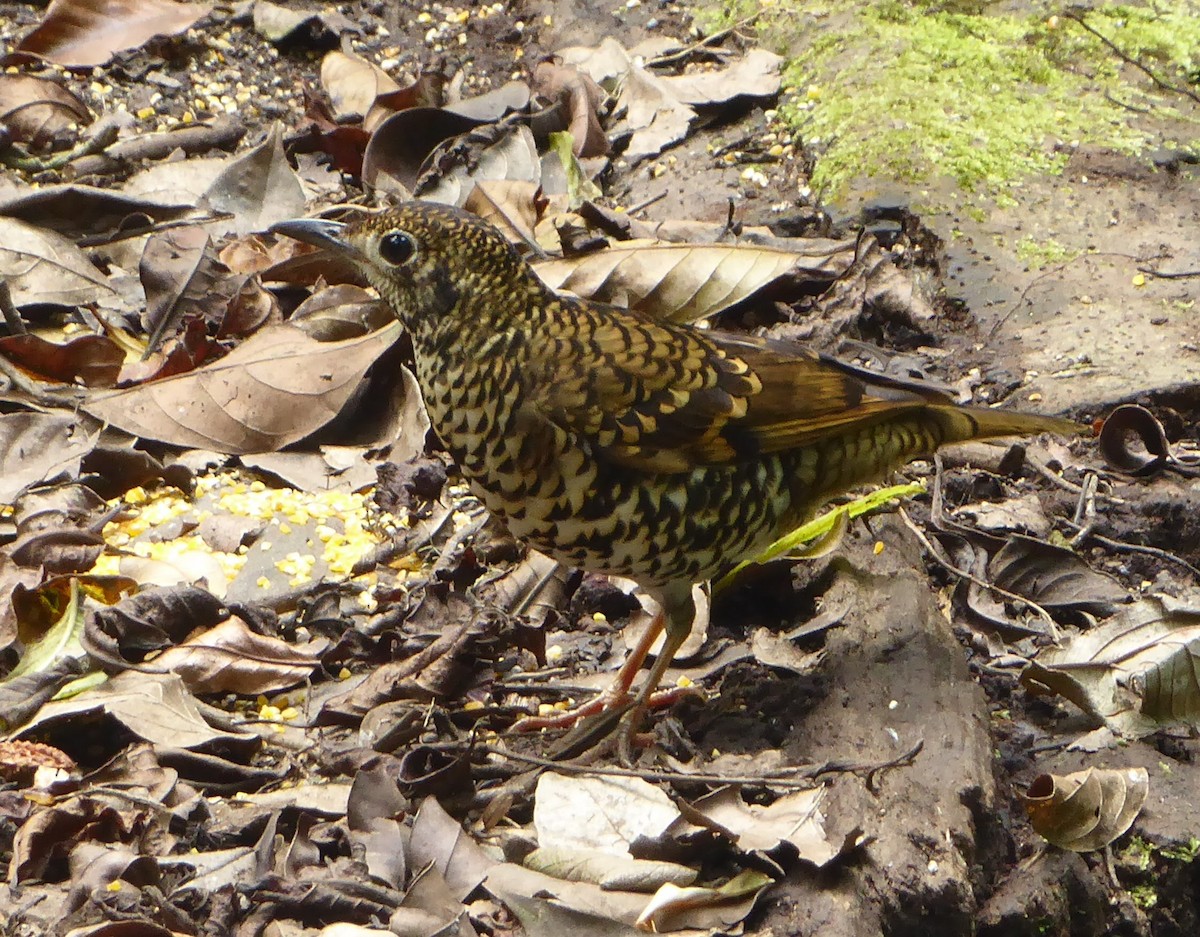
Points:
(1184, 852)
(1040, 254)
(915, 89)
(1144, 896)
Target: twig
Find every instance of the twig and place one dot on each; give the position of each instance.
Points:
(1121, 546)
(799, 777)
(1085, 510)
(646, 203)
(1130, 60)
(681, 54)
(12, 318)
(949, 566)
(1178, 275)
(18, 158)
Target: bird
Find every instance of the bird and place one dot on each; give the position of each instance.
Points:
(621, 444)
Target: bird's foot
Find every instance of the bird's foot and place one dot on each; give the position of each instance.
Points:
(597, 719)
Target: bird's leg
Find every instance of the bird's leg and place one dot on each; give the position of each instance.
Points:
(677, 629)
(615, 695)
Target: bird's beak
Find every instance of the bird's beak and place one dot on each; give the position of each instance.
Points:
(319, 232)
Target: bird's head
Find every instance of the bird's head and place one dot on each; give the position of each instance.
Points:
(429, 262)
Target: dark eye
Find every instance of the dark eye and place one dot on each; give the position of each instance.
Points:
(396, 247)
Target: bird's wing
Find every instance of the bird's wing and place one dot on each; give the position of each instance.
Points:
(667, 399)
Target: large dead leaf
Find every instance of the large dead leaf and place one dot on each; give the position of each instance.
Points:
(181, 276)
(754, 75)
(38, 446)
(605, 814)
(1086, 810)
(674, 282)
(79, 33)
(41, 266)
(647, 110)
(1138, 672)
(653, 114)
(39, 111)
(258, 188)
(231, 658)
(157, 708)
(353, 84)
(1053, 576)
(275, 388)
(511, 155)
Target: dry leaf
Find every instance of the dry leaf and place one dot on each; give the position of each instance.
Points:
(755, 75)
(92, 360)
(275, 388)
(41, 266)
(353, 84)
(78, 33)
(1086, 810)
(258, 188)
(673, 282)
(1137, 672)
(38, 111)
(511, 156)
(230, 658)
(605, 814)
(37, 446)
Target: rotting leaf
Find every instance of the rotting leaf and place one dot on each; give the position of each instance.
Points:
(508, 153)
(673, 282)
(258, 188)
(1053, 576)
(605, 814)
(274, 389)
(1138, 672)
(35, 447)
(93, 360)
(81, 33)
(1086, 810)
(42, 266)
(39, 111)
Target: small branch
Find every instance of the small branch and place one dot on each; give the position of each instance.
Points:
(948, 566)
(12, 318)
(1130, 60)
(799, 777)
(680, 54)
(18, 158)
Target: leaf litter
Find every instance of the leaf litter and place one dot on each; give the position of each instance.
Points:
(237, 623)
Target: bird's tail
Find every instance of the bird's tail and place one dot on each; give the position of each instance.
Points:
(869, 452)
(960, 424)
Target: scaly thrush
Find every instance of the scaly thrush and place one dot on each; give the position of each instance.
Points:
(625, 445)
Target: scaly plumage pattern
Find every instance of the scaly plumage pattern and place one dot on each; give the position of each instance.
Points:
(620, 444)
